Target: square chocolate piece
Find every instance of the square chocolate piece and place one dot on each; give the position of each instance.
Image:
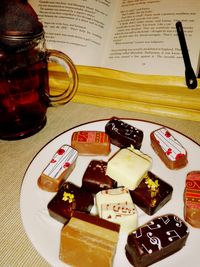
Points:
(68, 199)
(151, 194)
(95, 178)
(116, 205)
(128, 166)
(88, 241)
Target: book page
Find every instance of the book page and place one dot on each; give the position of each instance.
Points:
(77, 28)
(145, 38)
(130, 35)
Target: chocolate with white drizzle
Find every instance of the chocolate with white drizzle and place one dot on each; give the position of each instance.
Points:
(123, 134)
(157, 239)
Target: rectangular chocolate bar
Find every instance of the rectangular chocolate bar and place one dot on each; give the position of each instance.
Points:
(192, 198)
(169, 149)
(58, 169)
(91, 142)
(123, 134)
(156, 240)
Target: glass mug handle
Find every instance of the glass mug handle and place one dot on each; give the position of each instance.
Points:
(71, 75)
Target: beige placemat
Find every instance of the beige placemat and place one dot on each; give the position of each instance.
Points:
(15, 156)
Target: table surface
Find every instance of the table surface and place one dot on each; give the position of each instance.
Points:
(15, 247)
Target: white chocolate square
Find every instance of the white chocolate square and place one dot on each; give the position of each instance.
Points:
(116, 205)
(128, 167)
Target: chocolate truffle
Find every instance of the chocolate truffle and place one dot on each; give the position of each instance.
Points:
(156, 240)
(152, 193)
(95, 178)
(123, 134)
(68, 199)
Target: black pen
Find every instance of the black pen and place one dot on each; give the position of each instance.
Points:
(190, 76)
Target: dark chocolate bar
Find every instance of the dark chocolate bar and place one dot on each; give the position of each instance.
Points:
(123, 134)
(156, 240)
(95, 179)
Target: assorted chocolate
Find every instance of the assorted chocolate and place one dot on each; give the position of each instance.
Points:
(58, 169)
(128, 167)
(123, 134)
(68, 199)
(169, 149)
(88, 241)
(91, 142)
(152, 193)
(117, 187)
(95, 178)
(192, 198)
(116, 205)
(156, 240)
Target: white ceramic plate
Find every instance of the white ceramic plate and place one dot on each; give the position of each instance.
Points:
(44, 231)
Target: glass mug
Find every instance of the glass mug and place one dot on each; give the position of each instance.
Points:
(24, 85)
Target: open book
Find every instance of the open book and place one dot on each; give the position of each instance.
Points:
(137, 36)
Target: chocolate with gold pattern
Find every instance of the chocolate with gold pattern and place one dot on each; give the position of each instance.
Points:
(68, 199)
(156, 240)
(151, 194)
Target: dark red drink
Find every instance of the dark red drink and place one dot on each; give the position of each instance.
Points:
(23, 94)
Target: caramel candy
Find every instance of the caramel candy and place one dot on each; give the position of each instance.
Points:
(156, 240)
(95, 179)
(68, 199)
(88, 241)
(58, 169)
(128, 167)
(123, 134)
(91, 142)
(151, 194)
(170, 150)
(192, 199)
